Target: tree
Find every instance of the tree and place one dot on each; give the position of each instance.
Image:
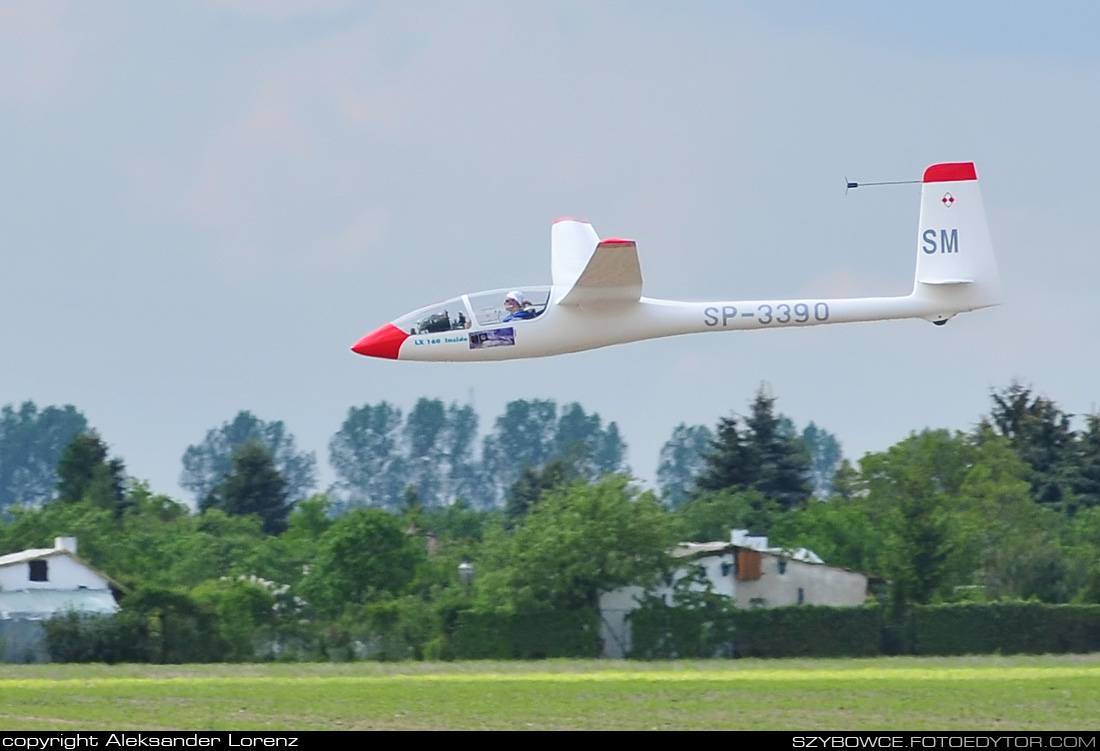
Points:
(205, 546)
(243, 606)
(522, 437)
(1086, 460)
(683, 457)
(841, 531)
(85, 472)
(530, 433)
(31, 443)
(951, 510)
(377, 455)
(459, 523)
(284, 557)
(909, 487)
(439, 444)
(366, 454)
(825, 457)
(463, 477)
(577, 542)
(709, 517)
(533, 484)
(206, 464)
(1040, 433)
(96, 529)
(776, 453)
(1012, 539)
(847, 483)
(581, 439)
(425, 427)
(727, 462)
(363, 557)
(253, 486)
(767, 456)
(608, 455)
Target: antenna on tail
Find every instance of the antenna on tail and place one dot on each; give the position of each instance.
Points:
(851, 185)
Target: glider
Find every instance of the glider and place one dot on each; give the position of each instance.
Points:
(595, 296)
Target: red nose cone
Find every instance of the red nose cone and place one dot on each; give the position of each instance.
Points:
(384, 341)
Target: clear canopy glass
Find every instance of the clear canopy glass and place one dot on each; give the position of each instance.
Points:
(478, 310)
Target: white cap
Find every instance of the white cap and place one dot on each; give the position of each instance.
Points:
(517, 296)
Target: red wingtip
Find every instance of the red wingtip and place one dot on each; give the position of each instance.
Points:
(948, 173)
(385, 342)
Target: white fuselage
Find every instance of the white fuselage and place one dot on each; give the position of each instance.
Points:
(561, 329)
(596, 299)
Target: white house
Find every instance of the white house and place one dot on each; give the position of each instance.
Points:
(39, 583)
(747, 571)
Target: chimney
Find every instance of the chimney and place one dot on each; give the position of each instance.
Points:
(742, 539)
(65, 543)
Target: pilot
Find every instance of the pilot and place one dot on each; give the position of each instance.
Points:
(518, 307)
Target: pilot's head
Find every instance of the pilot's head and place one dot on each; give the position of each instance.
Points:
(514, 300)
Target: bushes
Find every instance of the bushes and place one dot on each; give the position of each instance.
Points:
(230, 622)
(1005, 628)
(802, 631)
(808, 631)
(662, 632)
(532, 636)
(72, 637)
(154, 625)
(387, 630)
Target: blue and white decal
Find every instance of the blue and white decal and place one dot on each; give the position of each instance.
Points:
(505, 337)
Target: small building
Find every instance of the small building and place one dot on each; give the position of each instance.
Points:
(746, 570)
(39, 583)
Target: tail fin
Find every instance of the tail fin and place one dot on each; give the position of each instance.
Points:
(955, 262)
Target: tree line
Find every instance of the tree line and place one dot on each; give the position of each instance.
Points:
(1006, 511)
(380, 454)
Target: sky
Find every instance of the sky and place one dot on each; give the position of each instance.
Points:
(203, 205)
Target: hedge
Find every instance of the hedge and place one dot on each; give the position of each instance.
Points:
(800, 631)
(501, 636)
(815, 631)
(1005, 628)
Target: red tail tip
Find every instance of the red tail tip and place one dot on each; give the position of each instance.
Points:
(948, 173)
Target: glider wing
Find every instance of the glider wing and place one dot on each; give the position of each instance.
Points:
(572, 243)
(588, 270)
(612, 275)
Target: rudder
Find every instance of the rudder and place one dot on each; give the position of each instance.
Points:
(954, 249)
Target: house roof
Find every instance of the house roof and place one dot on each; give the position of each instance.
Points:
(693, 549)
(36, 554)
(40, 604)
(33, 554)
(696, 549)
(805, 555)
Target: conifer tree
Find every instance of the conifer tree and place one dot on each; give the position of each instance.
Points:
(768, 456)
(86, 473)
(253, 486)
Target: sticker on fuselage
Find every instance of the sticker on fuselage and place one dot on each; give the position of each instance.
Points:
(505, 337)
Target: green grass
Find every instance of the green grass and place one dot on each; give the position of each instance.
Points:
(973, 693)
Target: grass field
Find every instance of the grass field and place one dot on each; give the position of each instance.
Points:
(972, 693)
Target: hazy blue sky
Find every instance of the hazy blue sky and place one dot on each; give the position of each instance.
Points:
(204, 204)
